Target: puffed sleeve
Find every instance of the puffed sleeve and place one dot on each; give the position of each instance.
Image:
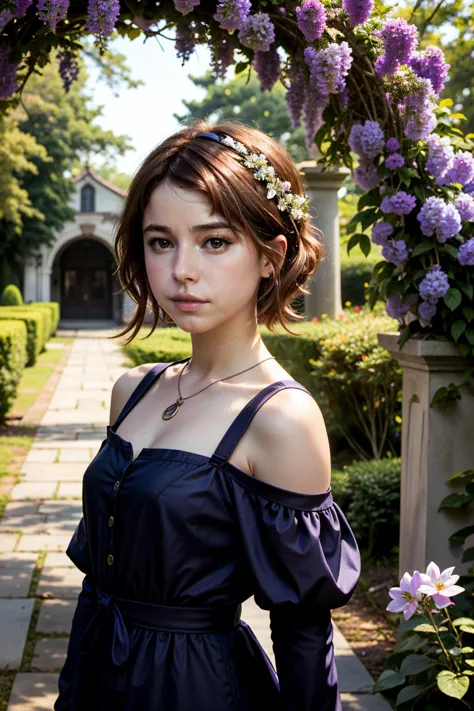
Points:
(304, 561)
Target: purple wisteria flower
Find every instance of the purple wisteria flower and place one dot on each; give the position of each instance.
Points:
(381, 232)
(295, 97)
(430, 64)
(102, 16)
(426, 312)
(257, 32)
(222, 57)
(469, 188)
(394, 161)
(8, 74)
(440, 157)
(231, 14)
(312, 118)
(68, 68)
(52, 11)
(466, 253)
(440, 218)
(399, 39)
(419, 111)
(185, 6)
(366, 140)
(400, 203)
(185, 42)
(464, 204)
(462, 170)
(392, 145)
(311, 16)
(20, 9)
(396, 251)
(395, 308)
(328, 70)
(435, 285)
(358, 10)
(267, 65)
(366, 175)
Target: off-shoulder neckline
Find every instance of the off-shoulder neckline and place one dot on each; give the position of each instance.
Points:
(271, 492)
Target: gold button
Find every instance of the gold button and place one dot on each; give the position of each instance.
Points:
(110, 559)
(111, 521)
(116, 485)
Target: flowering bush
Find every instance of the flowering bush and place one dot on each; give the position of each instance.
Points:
(362, 87)
(435, 657)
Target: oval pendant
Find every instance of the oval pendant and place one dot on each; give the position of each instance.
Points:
(170, 411)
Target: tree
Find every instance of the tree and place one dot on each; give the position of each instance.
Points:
(242, 99)
(64, 125)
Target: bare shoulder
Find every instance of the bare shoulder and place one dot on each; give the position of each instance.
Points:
(124, 387)
(289, 445)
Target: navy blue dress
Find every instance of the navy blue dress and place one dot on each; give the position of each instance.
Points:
(171, 544)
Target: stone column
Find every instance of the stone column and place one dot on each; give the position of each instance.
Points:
(436, 444)
(325, 285)
(29, 279)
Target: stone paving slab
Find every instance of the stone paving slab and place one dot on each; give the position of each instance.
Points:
(27, 524)
(15, 582)
(74, 455)
(364, 702)
(53, 472)
(17, 560)
(8, 542)
(20, 508)
(83, 443)
(56, 616)
(57, 560)
(43, 542)
(61, 526)
(15, 616)
(70, 490)
(49, 654)
(34, 692)
(56, 508)
(41, 455)
(33, 490)
(63, 583)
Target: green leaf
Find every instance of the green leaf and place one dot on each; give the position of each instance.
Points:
(467, 628)
(365, 245)
(354, 241)
(463, 621)
(468, 313)
(459, 116)
(388, 679)
(240, 67)
(470, 336)
(414, 641)
(445, 102)
(450, 249)
(455, 500)
(408, 693)
(452, 298)
(416, 663)
(425, 628)
(451, 684)
(457, 329)
(468, 290)
(134, 32)
(422, 248)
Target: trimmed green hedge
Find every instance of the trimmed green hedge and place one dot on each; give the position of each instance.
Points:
(11, 296)
(12, 361)
(35, 325)
(46, 316)
(53, 306)
(369, 494)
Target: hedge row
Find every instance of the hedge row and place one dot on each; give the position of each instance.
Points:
(356, 383)
(41, 320)
(13, 354)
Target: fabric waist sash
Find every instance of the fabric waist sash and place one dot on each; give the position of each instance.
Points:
(111, 611)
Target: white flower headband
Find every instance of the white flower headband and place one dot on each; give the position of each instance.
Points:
(296, 205)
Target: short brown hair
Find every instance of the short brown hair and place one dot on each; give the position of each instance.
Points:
(216, 171)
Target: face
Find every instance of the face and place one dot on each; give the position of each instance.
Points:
(189, 252)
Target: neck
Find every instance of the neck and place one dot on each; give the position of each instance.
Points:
(225, 351)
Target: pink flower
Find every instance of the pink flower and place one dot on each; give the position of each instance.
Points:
(440, 586)
(406, 597)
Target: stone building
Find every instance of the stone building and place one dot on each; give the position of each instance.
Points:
(78, 269)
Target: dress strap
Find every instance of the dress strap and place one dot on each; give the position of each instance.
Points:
(232, 437)
(145, 383)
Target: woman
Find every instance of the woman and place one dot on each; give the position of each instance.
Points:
(213, 483)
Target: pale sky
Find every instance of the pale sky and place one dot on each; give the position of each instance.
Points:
(146, 113)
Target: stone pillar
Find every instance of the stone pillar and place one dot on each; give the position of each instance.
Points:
(436, 444)
(322, 188)
(29, 279)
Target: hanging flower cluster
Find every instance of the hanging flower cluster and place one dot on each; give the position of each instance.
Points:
(362, 89)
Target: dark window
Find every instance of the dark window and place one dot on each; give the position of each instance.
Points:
(88, 199)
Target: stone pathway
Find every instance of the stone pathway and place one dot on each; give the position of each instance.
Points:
(38, 583)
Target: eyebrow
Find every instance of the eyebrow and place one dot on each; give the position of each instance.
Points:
(220, 225)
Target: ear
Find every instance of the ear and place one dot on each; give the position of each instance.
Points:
(281, 245)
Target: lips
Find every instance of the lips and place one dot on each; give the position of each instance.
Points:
(187, 297)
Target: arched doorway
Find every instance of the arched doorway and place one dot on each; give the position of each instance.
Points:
(86, 268)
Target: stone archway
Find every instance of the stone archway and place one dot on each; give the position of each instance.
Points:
(84, 269)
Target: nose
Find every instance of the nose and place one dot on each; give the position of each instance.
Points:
(185, 263)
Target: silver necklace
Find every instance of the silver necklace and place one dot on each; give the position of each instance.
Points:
(171, 410)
